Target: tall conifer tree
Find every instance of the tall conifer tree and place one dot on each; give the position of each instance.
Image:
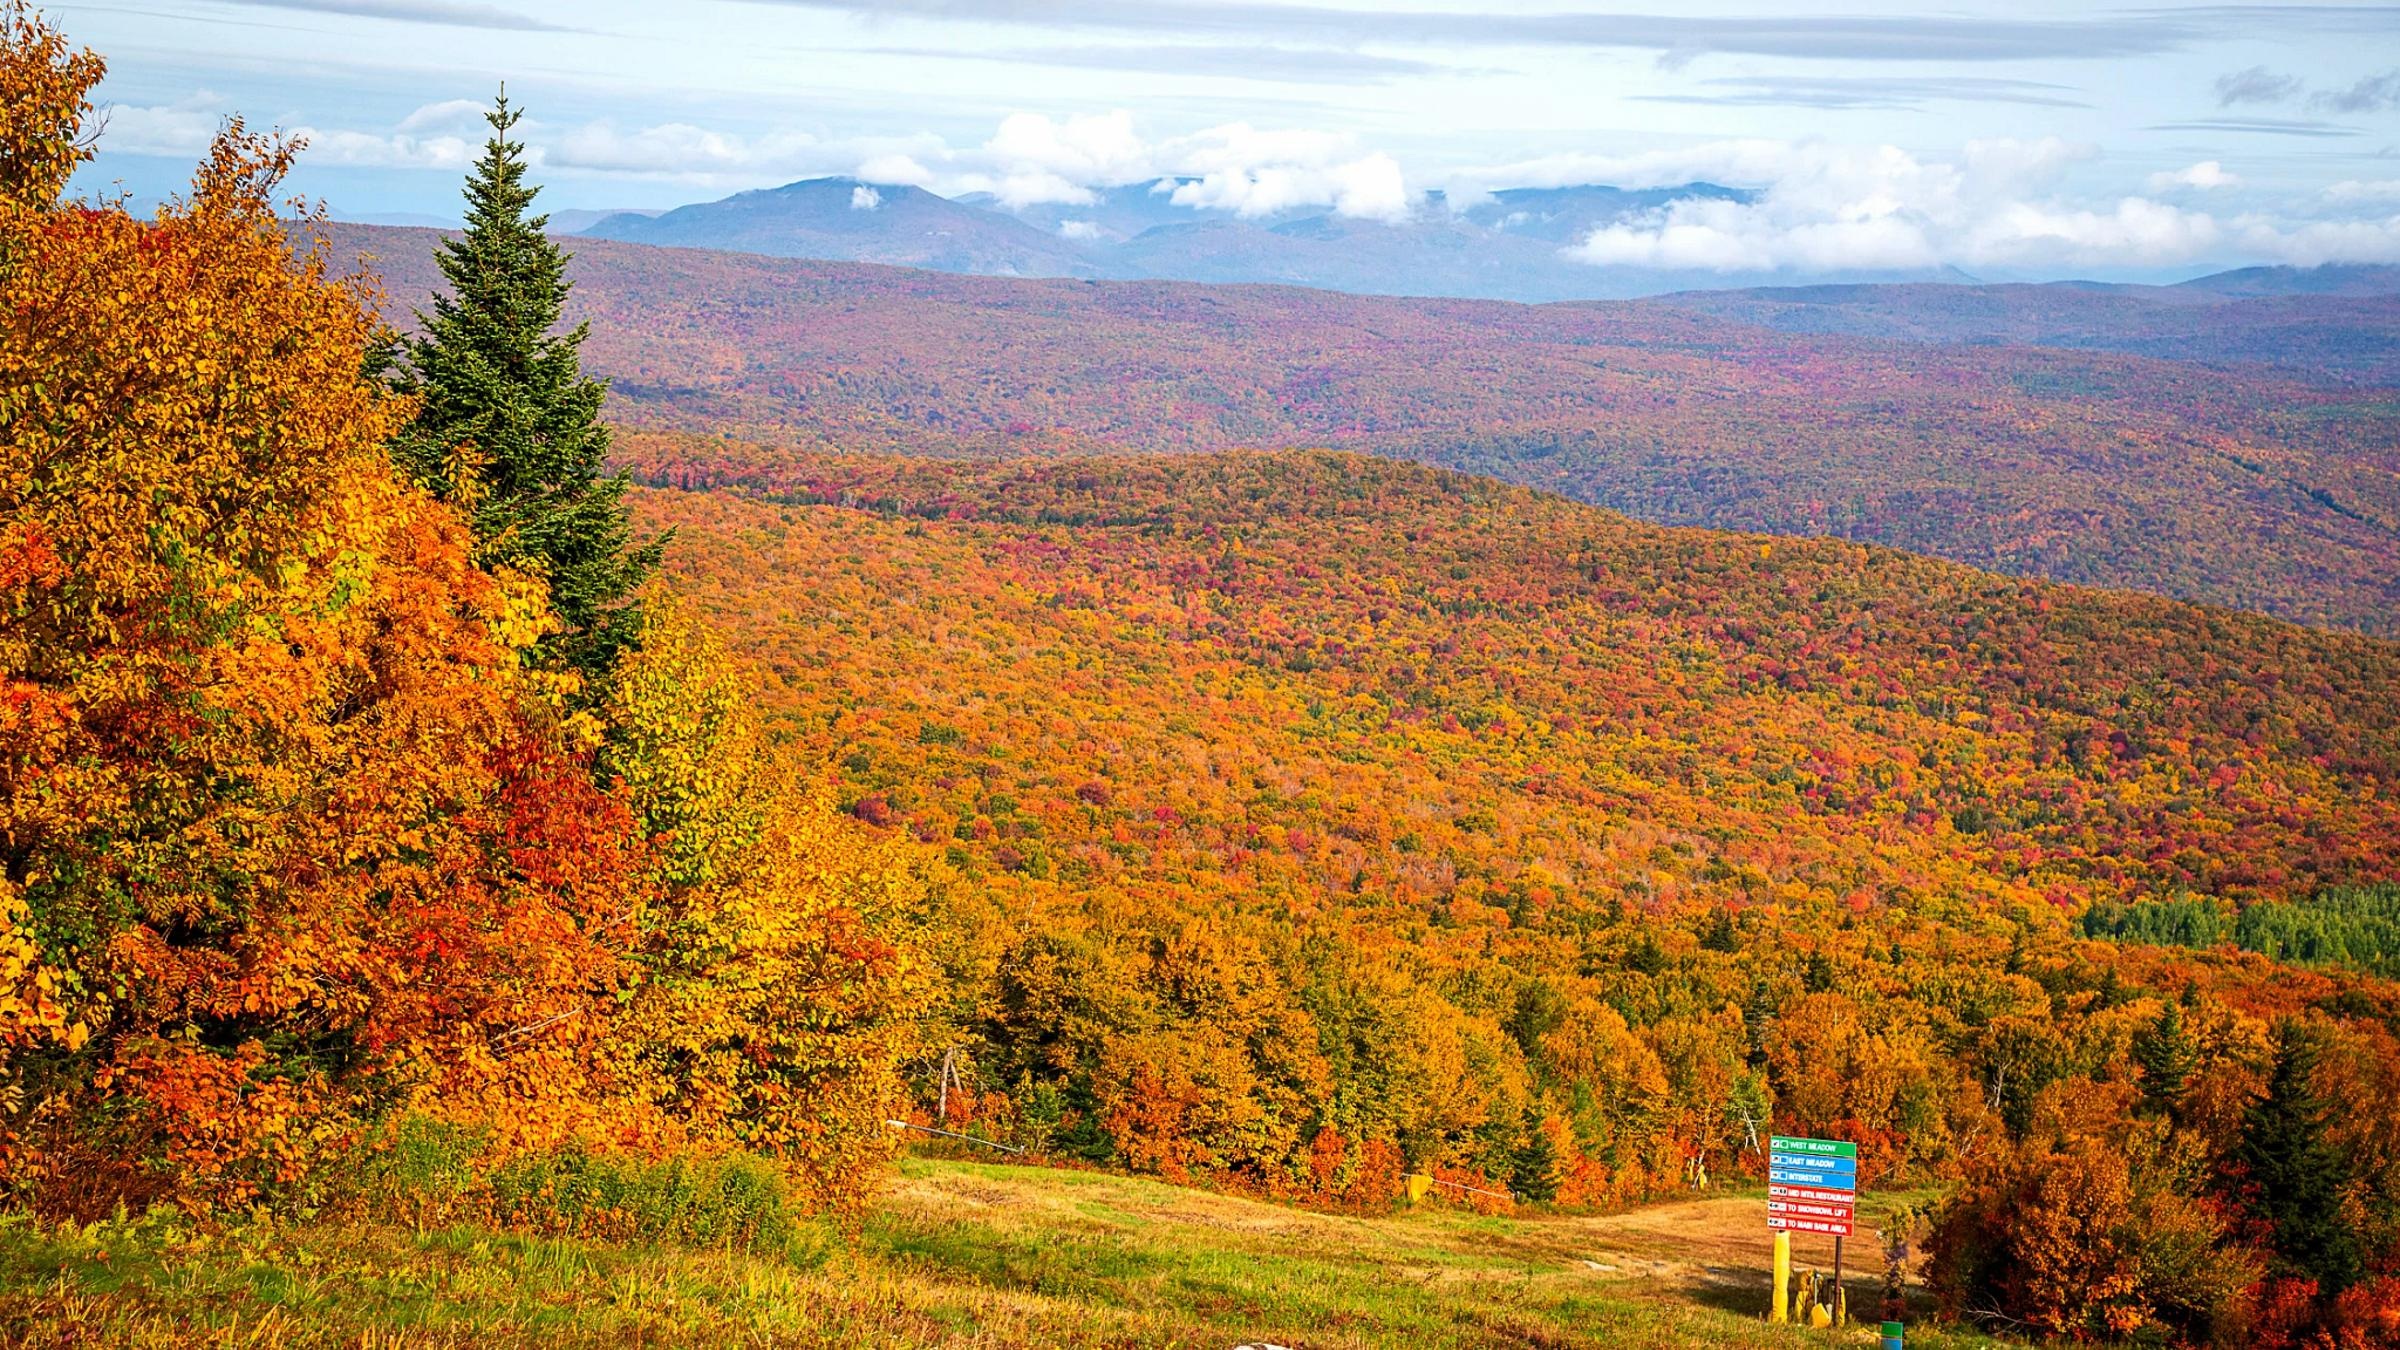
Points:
(2167, 1055)
(510, 428)
(2297, 1172)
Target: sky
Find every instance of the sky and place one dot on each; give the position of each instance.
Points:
(2007, 138)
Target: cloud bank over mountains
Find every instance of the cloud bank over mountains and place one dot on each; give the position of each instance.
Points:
(1996, 205)
(2024, 138)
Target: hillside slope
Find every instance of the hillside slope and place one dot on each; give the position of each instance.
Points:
(1832, 719)
(958, 1255)
(2242, 489)
(2343, 332)
(1307, 813)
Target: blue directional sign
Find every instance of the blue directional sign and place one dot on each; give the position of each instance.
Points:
(1813, 1178)
(1809, 1164)
(1819, 1164)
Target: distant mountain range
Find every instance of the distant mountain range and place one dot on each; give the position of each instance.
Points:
(2333, 324)
(843, 219)
(2028, 429)
(1507, 245)
(1510, 245)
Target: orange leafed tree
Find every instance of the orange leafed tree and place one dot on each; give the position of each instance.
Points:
(281, 820)
(293, 839)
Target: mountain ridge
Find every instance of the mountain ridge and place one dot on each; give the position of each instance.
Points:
(1510, 245)
(2241, 486)
(852, 220)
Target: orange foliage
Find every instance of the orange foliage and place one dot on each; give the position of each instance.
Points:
(294, 839)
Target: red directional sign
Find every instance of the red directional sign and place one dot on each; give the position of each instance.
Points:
(1838, 1228)
(1809, 1209)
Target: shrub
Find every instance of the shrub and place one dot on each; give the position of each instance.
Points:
(430, 1173)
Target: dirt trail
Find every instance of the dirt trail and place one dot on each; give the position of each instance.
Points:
(1718, 1241)
(1721, 1241)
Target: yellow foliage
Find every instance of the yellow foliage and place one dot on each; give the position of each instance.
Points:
(777, 984)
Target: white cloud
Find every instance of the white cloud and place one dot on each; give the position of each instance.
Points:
(1823, 208)
(1029, 159)
(2205, 176)
(677, 150)
(2002, 206)
(1236, 167)
(182, 129)
(2317, 242)
(864, 198)
(2137, 232)
(1250, 172)
(1035, 159)
(361, 149)
(454, 114)
(895, 170)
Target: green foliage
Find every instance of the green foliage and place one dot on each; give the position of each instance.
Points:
(2167, 1054)
(731, 1201)
(1534, 1168)
(428, 1172)
(2177, 922)
(2355, 926)
(2349, 925)
(508, 427)
(2294, 1176)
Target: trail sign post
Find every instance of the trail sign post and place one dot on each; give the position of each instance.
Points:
(1812, 1187)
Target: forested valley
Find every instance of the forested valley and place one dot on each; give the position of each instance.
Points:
(449, 878)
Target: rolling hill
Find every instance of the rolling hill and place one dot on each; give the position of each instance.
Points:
(1910, 727)
(1307, 811)
(2240, 487)
(2334, 325)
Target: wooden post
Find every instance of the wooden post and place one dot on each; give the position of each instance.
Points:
(1782, 1311)
(1841, 1305)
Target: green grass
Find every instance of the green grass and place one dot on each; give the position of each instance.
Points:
(958, 1254)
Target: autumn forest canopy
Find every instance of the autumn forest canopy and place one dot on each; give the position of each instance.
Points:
(438, 787)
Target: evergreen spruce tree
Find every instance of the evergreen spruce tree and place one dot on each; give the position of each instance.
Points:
(1535, 1173)
(1758, 1013)
(1719, 935)
(2167, 1054)
(2296, 1174)
(509, 428)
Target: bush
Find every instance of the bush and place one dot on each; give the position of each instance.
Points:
(427, 1172)
(733, 1201)
(2088, 1238)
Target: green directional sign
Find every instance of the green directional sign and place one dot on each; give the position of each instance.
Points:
(1813, 1148)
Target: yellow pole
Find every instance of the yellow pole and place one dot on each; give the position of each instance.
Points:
(1782, 1311)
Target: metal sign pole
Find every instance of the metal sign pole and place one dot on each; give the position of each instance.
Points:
(1841, 1305)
